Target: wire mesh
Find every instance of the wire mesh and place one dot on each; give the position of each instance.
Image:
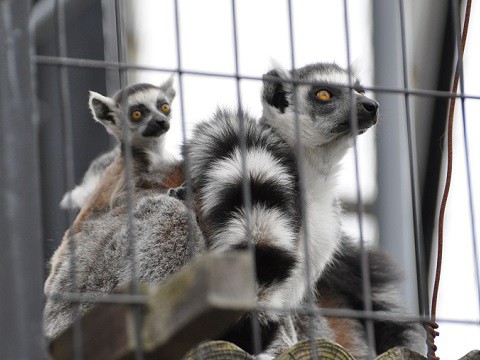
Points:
(63, 62)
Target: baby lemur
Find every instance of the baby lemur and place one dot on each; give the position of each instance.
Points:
(100, 231)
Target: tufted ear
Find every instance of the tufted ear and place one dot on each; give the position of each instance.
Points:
(276, 87)
(102, 109)
(167, 88)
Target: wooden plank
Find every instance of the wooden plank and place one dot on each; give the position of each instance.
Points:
(198, 303)
(105, 334)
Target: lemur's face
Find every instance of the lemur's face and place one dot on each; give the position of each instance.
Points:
(145, 108)
(324, 111)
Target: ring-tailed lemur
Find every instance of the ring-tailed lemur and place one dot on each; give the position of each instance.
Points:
(100, 231)
(323, 113)
(141, 137)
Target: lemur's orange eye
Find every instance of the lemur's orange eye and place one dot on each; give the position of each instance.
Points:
(324, 95)
(137, 114)
(165, 108)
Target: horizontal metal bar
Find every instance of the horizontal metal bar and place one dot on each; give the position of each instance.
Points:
(363, 314)
(86, 63)
(99, 298)
(329, 312)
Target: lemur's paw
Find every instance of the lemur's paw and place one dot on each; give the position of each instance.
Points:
(179, 193)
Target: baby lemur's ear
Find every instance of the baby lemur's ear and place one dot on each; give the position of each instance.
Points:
(167, 88)
(102, 109)
(276, 87)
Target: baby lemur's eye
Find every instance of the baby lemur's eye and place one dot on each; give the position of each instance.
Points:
(323, 95)
(137, 114)
(165, 108)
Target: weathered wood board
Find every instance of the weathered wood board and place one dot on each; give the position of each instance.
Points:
(196, 304)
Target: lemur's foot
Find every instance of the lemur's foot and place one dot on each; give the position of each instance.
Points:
(179, 193)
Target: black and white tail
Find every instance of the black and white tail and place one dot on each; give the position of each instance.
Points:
(341, 287)
(274, 221)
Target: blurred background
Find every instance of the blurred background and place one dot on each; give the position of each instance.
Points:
(207, 48)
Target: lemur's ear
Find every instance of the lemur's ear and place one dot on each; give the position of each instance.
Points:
(167, 88)
(276, 87)
(101, 108)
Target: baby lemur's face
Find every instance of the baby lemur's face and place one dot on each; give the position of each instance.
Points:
(143, 108)
(324, 110)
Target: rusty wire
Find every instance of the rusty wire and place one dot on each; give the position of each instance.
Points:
(432, 326)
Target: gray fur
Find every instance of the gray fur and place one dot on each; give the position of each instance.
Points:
(76, 198)
(103, 253)
(341, 287)
(108, 112)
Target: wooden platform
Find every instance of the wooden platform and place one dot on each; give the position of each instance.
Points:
(197, 304)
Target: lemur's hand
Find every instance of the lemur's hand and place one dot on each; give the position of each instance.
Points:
(179, 193)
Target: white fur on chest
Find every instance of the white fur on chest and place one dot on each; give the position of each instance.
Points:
(322, 232)
(322, 225)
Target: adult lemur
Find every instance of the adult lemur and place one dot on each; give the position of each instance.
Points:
(275, 226)
(103, 251)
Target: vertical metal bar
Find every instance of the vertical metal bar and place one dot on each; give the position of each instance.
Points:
(422, 283)
(186, 160)
(66, 111)
(458, 36)
(21, 255)
(137, 309)
(247, 196)
(301, 180)
(394, 206)
(110, 41)
(366, 284)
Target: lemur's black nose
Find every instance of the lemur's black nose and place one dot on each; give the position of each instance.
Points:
(162, 124)
(370, 105)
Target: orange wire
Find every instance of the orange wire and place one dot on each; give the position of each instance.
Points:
(441, 217)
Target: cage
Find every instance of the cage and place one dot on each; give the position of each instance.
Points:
(55, 51)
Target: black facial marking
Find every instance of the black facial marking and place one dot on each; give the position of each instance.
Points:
(140, 107)
(334, 92)
(155, 128)
(161, 102)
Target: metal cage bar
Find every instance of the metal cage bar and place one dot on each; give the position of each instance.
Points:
(20, 218)
(365, 272)
(21, 258)
(246, 191)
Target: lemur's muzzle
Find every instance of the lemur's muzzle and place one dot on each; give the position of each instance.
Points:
(156, 127)
(367, 110)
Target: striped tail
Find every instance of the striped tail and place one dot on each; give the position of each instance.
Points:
(272, 219)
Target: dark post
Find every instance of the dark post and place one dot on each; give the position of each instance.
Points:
(21, 273)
